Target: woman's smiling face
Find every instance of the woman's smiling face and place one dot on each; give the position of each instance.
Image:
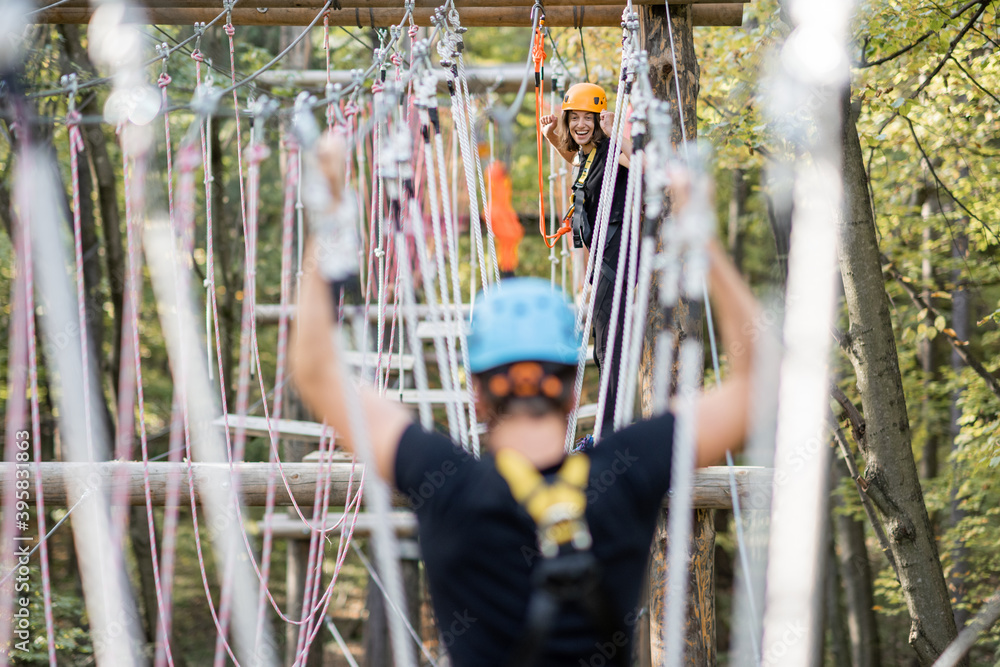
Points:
(581, 127)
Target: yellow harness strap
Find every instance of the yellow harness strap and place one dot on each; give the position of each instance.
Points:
(557, 507)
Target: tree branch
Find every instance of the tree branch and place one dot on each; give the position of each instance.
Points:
(864, 64)
(983, 4)
(984, 620)
(853, 415)
(973, 80)
(937, 179)
(960, 346)
(862, 486)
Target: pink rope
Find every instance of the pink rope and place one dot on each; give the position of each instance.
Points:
(75, 147)
(36, 429)
(14, 433)
(288, 226)
(36, 436)
(226, 593)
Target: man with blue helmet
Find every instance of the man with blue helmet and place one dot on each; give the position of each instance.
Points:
(533, 557)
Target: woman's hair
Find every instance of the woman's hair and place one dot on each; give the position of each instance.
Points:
(562, 131)
(525, 388)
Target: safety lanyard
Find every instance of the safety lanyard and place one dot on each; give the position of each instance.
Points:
(585, 169)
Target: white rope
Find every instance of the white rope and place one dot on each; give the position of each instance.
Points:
(344, 650)
(629, 38)
(627, 232)
(488, 198)
(397, 611)
(426, 103)
(453, 313)
(459, 112)
(633, 330)
(688, 234)
(397, 168)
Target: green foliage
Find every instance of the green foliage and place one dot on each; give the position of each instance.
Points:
(72, 640)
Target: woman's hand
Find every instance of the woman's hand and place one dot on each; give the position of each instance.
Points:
(607, 121)
(548, 123)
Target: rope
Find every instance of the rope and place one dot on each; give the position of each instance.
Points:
(629, 230)
(36, 435)
(629, 37)
(399, 613)
(447, 364)
(75, 148)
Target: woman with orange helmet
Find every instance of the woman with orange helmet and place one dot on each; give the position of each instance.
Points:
(580, 135)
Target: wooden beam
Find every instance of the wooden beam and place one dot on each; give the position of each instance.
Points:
(711, 485)
(708, 14)
(315, 5)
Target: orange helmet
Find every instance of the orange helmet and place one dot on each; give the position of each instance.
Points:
(585, 97)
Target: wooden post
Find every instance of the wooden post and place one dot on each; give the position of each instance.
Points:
(667, 59)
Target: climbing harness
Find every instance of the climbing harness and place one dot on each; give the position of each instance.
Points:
(576, 217)
(568, 572)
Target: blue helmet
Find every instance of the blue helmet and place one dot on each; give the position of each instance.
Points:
(522, 319)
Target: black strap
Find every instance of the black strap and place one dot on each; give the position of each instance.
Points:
(572, 577)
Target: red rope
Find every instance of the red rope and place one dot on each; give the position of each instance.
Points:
(538, 57)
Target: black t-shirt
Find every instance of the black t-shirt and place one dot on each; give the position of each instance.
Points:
(479, 545)
(592, 193)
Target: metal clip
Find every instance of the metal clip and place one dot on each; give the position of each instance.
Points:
(163, 51)
(72, 84)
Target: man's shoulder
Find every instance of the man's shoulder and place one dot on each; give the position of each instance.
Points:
(428, 465)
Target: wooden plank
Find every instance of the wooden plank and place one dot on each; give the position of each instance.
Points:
(711, 485)
(289, 429)
(437, 396)
(284, 526)
(713, 14)
(268, 313)
(434, 329)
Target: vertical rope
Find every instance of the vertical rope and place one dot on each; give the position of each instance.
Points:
(585, 318)
(36, 436)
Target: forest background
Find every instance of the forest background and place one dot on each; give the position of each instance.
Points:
(924, 101)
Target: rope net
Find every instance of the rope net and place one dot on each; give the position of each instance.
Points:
(404, 330)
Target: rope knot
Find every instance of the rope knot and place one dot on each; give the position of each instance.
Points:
(164, 80)
(414, 29)
(396, 60)
(230, 29)
(377, 86)
(351, 110)
(73, 120)
(198, 56)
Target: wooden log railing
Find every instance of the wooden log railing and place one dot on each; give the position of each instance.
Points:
(370, 15)
(711, 485)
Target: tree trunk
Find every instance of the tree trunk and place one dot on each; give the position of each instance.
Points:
(737, 208)
(890, 472)
(927, 354)
(686, 319)
(832, 612)
(856, 577)
(227, 235)
(960, 322)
